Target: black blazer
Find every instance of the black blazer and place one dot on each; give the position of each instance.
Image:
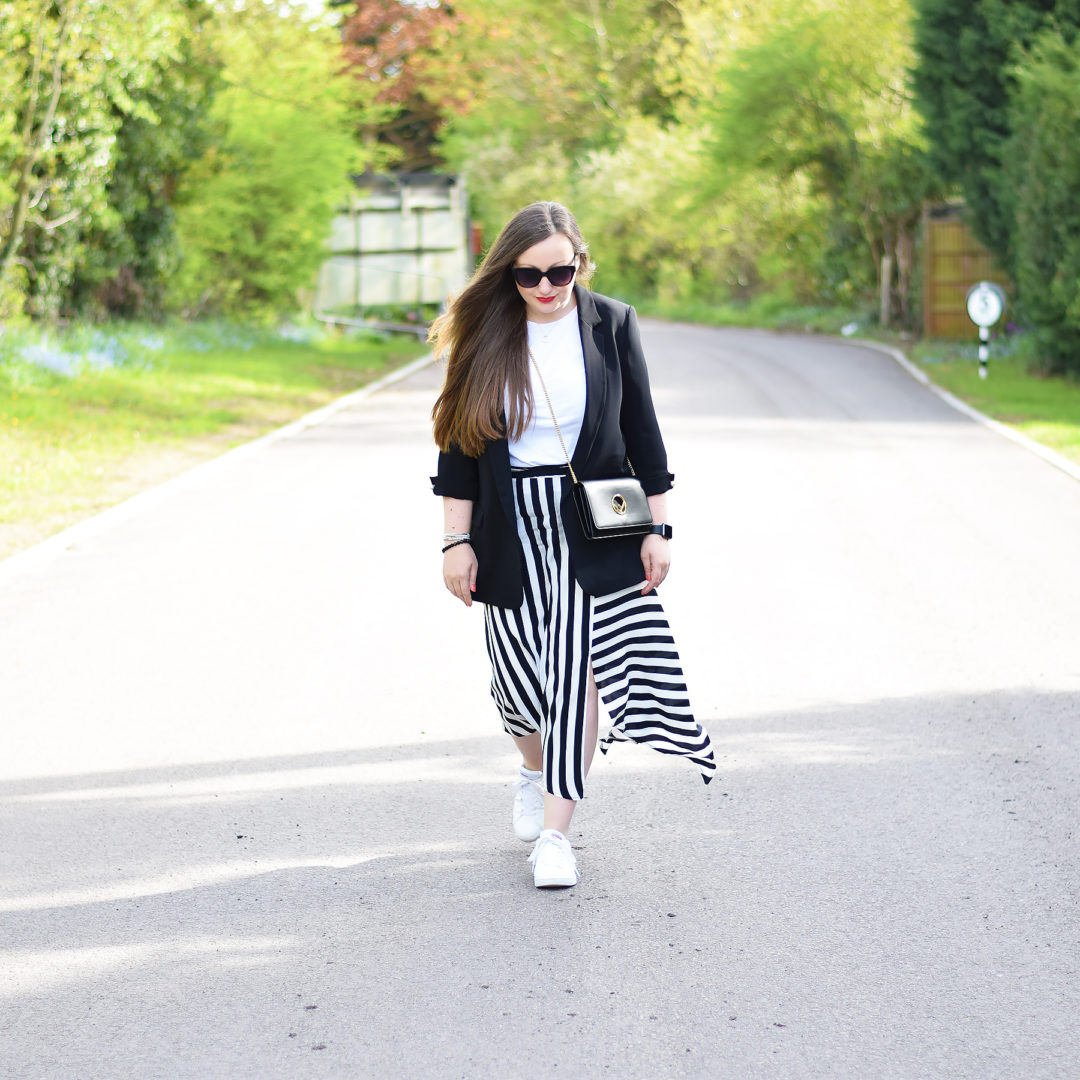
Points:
(619, 422)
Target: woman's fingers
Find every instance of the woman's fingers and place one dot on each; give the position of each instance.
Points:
(460, 588)
(459, 572)
(648, 563)
(655, 560)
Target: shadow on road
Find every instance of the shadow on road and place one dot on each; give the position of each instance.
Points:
(247, 918)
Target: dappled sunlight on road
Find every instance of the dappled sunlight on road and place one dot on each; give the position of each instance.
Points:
(241, 786)
(38, 971)
(194, 877)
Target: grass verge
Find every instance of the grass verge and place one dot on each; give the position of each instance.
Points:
(92, 417)
(1045, 408)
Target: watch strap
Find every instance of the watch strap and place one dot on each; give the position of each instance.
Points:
(661, 530)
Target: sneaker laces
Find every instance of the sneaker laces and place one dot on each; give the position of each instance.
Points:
(524, 781)
(545, 838)
(530, 788)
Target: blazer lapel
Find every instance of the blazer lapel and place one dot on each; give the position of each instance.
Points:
(592, 345)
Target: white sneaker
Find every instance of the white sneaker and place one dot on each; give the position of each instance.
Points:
(553, 862)
(528, 806)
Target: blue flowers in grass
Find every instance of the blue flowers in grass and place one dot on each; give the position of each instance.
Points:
(66, 353)
(35, 352)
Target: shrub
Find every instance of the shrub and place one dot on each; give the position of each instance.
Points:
(1043, 166)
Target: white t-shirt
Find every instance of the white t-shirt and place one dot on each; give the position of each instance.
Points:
(557, 348)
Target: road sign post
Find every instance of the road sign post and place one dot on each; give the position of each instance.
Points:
(985, 305)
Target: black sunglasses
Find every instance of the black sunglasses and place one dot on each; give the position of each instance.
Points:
(528, 277)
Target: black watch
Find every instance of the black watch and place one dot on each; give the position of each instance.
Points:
(661, 530)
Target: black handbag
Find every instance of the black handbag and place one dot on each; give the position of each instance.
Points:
(607, 508)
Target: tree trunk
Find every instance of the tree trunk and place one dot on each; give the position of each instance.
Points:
(34, 140)
(905, 261)
(886, 289)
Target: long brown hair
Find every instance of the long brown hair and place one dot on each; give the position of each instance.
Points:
(484, 337)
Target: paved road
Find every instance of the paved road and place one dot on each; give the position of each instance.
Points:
(255, 805)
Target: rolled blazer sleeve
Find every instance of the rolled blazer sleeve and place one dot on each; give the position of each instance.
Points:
(644, 443)
(458, 476)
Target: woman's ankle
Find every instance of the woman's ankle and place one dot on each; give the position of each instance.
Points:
(558, 812)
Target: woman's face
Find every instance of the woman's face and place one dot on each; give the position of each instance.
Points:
(546, 302)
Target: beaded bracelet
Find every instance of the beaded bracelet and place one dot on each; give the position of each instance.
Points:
(453, 545)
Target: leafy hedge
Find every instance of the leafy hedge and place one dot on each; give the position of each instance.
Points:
(1042, 167)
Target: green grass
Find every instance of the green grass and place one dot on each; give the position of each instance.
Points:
(1045, 408)
(129, 407)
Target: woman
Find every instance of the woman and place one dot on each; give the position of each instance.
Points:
(539, 371)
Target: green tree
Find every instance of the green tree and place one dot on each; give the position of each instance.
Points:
(657, 231)
(708, 147)
(823, 95)
(1042, 166)
(963, 79)
(546, 84)
(130, 252)
(70, 72)
(254, 211)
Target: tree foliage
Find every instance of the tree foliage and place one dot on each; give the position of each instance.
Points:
(389, 45)
(71, 73)
(546, 84)
(1042, 166)
(186, 154)
(130, 252)
(963, 80)
(254, 210)
(820, 94)
(180, 153)
(710, 147)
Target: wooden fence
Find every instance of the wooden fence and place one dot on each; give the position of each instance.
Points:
(953, 261)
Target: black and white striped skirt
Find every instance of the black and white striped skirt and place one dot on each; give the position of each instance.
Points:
(541, 651)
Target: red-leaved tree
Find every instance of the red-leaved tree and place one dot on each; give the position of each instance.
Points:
(394, 45)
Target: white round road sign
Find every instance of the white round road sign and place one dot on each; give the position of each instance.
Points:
(985, 303)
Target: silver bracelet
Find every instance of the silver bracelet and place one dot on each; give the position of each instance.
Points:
(447, 537)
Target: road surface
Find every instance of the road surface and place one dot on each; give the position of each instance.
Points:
(255, 801)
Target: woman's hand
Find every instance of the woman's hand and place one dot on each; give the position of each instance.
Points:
(459, 572)
(655, 558)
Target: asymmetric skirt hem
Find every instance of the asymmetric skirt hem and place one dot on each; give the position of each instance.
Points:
(541, 652)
